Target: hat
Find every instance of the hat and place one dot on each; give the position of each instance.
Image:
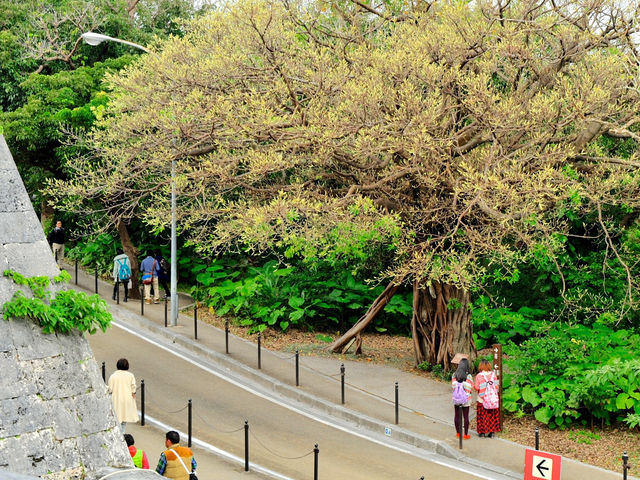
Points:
(459, 356)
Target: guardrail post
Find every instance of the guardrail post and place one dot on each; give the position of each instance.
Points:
(190, 407)
(246, 446)
(342, 382)
(259, 352)
(297, 368)
(142, 402)
(537, 438)
(316, 451)
(226, 336)
(104, 372)
(397, 409)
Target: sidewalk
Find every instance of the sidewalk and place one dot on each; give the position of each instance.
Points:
(425, 415)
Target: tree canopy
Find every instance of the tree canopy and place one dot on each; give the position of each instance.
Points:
(469, 135)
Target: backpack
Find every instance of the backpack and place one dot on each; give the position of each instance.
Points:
(460, 396)
(164, 265)
(491, 399)
(124, 271)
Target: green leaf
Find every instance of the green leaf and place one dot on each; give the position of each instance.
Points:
(543, 415)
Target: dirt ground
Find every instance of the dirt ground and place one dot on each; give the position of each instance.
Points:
(601, 447)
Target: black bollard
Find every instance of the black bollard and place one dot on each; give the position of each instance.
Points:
(104, 372)
(297, 368)
(625, 465)
(259, 352)
(117, 292)
(315, 461)
(96, 267)
(226, 336)
(537, 438)
(342, 382)
(397, 412)
(461, 420)
(190, 405)
(142, 402)
(246, 446)
(195, 320)
(165, 311)
(76, 271)
(142, 300)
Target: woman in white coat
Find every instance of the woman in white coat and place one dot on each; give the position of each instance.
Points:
(122, 387)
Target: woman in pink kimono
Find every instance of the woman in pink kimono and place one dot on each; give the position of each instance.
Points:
(122, 387)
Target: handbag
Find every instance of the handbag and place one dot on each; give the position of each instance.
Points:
(147, 278)
(192, 474)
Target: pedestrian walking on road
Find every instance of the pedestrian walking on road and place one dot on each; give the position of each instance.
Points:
(163, 275)
(122, 387)
(174, 460)
(488, 413)
(121, 274)
(462, 383)
(138, 456)
(150, 270)
(56, 240)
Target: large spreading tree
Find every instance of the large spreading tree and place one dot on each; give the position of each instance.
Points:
(470, 127)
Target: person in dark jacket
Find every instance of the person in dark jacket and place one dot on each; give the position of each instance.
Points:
(163, 275)
(56, 240)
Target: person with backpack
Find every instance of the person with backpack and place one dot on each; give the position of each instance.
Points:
(121, 274)
(149, 268)
(488, 413)
(163, 275)
(462, 383)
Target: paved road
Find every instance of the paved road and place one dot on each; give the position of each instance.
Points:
(281, 440)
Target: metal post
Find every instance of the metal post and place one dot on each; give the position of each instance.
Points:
(165, 312)
(461, 423)
(625, 465)
(315, 461)
(537, 438)
(76, 271)
(195, 320)
(190, 405)
(497, 366)
(259, 356)
(104, 372)
(142, 402)
(226, 336)
(246, 446)
(174, 247)
(96, 268)
(397, 412)
(342, 382)
(142, 300)
(117, 291)
(297, 368)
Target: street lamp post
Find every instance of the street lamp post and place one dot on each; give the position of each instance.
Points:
(96, 39)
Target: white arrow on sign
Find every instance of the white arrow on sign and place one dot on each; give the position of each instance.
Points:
(542, 467)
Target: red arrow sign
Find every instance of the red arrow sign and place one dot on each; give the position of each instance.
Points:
(541, 465)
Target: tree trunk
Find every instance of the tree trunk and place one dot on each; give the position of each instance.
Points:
(132, 253)
(441, 324)
(46, 214)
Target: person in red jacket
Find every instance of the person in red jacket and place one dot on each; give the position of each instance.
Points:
(137, 455)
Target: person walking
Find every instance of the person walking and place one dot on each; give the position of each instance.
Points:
(122, 387)
(163, 275)
(462, 383)
(174, 460)
(56, 240)
(138, 456)
(121, 274)
(488, 413)
(150, 270)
